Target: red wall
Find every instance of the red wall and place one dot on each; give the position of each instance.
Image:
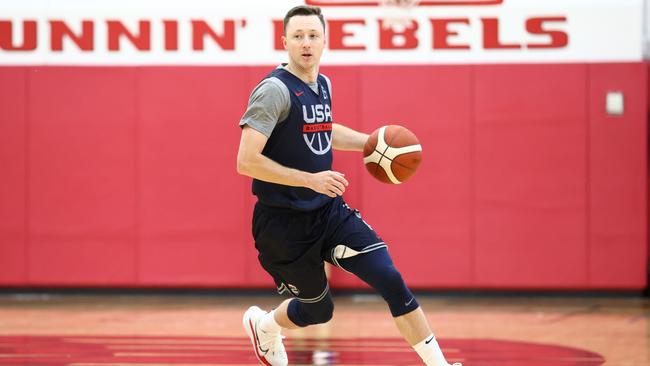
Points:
(125, 176)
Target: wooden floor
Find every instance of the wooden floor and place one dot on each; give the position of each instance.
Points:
(41, 329)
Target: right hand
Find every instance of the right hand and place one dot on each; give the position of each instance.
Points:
(328, 182)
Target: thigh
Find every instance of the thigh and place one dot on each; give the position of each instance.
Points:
(289, 247)
(308, 283)
(348, 234)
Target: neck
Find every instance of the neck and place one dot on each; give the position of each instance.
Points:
(306, 75)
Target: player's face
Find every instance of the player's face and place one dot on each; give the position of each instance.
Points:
(305, 41)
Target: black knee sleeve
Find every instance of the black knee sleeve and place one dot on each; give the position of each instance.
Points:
(303, 314)
(377, 269)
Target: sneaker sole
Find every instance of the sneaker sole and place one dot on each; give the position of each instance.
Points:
(250, 331)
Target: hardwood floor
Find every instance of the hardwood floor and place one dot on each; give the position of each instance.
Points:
(42, 329)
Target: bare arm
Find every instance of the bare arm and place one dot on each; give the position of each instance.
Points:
(252, 163)
(347, 139)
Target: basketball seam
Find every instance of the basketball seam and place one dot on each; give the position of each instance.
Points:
(387, 146)
(376, 166)
(405, 167)
(382, 155)
(402, 165)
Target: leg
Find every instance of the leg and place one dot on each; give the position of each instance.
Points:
(377, 269)
(293, 313)
(413, 326)
(365, 255)
(264, 328)
(282, 318)
(297, 269)
(289, 244)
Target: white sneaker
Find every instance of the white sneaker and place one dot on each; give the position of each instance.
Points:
(268, 346)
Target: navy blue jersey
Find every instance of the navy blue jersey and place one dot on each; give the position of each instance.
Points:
(302, 141)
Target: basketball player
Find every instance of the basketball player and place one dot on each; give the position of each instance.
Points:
(300, 219)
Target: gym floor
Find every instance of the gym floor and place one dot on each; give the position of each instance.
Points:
(205, 329)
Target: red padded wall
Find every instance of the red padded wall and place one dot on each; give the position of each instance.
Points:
(617, 178)
(126, 176)
(190, 198)
(81, 176)
(426, 221)
(13, 165)
(530, 161)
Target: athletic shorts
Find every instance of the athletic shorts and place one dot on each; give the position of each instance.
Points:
(292, 245)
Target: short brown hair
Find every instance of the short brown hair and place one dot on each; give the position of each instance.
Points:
(303, 10)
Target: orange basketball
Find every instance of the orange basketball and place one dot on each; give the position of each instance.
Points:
(392, 154)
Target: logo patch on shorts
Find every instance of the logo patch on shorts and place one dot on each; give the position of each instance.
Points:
(293, 289)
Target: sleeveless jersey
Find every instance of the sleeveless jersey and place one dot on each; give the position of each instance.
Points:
(302, 141)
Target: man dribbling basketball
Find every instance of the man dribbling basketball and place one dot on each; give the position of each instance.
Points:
(300, 219)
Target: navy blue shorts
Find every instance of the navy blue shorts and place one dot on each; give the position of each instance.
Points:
(292, 245)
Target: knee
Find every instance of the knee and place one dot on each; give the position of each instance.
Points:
(377, 269)
(383, 277)
(321, 312)
(390, 277)
(304, 314)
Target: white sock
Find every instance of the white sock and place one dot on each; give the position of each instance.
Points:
(268, 323)
(430, 352)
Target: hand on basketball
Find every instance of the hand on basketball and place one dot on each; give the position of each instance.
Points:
(329, 182)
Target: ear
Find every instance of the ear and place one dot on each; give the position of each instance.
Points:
(284, 42)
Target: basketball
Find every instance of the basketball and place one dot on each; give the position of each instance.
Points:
(392, 154)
